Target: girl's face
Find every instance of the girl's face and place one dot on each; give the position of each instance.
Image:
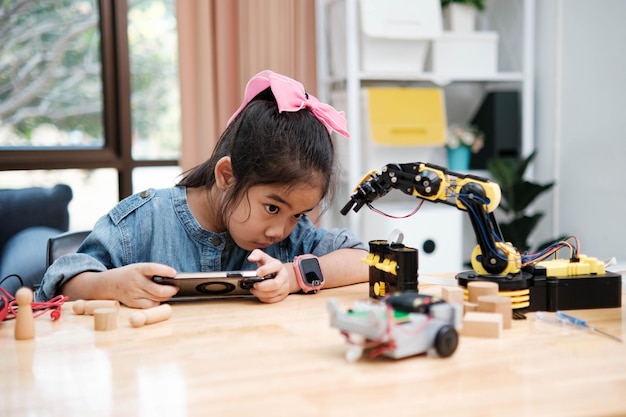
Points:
(269, 213)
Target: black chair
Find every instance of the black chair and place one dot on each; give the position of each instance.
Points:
(63, 244)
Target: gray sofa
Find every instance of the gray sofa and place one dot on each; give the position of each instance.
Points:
(28, 218)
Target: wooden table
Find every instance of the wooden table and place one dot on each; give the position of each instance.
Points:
(239, 357)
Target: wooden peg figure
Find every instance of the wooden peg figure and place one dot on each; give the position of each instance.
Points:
(89, 306)
(24, 319)
(150, 315)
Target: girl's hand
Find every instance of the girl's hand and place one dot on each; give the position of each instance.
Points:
(134, 286)
(278, 288)
(131, 285)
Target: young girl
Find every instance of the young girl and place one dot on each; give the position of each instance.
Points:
(245, 208)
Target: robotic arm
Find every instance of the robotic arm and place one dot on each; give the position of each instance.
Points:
(477, 196)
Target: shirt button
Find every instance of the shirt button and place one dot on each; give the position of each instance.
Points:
(216, 240)
(144, 194)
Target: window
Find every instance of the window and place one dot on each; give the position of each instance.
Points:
(155, 101)
(89, 87)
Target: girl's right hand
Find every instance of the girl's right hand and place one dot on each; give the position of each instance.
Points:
(134, 286)
(131, 285)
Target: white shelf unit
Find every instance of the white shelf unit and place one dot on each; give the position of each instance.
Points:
(513, 20)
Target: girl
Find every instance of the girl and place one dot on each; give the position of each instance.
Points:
(244, 208)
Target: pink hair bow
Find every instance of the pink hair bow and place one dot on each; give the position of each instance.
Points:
(291, 97)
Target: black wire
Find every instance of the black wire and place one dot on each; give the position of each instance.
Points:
(11, 276)
(3, 301)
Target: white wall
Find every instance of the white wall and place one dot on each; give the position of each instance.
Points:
(581, 121)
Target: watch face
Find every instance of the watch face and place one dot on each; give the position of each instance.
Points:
(311, 272)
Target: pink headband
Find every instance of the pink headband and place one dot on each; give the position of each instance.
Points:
(291, 97)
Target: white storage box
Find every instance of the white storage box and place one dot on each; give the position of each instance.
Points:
(465, 54)
(436, 231)
(394, 35)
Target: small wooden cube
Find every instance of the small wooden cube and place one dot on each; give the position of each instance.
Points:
(497, 304)
(467, 306)
(477, 288)
(452, 295)
(477, 324)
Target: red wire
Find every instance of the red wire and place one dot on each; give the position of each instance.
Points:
(39, 308)
(415, 210)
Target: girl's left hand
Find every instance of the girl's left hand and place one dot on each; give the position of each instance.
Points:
(278, 288)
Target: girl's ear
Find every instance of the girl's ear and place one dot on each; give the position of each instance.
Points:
(224, 173)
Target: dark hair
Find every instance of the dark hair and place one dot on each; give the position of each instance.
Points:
(270, 148)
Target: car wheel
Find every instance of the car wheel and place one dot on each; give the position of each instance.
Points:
(446, 341)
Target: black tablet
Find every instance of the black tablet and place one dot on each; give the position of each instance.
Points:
(217, 284)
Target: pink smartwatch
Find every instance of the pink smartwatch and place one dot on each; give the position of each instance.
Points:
(308, 273)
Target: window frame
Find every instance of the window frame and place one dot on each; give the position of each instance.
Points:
(116, 90)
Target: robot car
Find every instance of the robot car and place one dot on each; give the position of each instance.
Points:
(398, 326)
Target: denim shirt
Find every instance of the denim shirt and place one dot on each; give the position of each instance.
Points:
(158, 226)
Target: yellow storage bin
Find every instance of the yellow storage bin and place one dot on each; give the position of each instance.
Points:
(404, 116)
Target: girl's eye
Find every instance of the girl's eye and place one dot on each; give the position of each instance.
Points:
(272, 209)
(298, 216)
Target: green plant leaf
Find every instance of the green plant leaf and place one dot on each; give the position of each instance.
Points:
(524, 194)
(523, 166)
(518, 230)
(503, 171)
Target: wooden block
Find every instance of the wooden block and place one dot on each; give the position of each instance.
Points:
(497, 304)
(89, 306)
(105, 319)
(477, 288)
(467, 306)
(477, 324)
(452, 294)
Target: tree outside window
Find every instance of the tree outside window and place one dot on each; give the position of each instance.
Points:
(58, 113)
